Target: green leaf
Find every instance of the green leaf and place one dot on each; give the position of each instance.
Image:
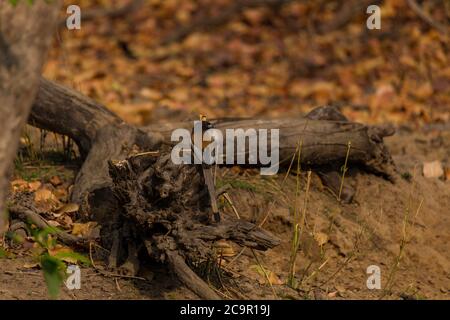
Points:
(74, 256)
(41, 236)
(54, 274)
(15, 2)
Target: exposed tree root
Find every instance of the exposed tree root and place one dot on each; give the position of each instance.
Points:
(24, 209)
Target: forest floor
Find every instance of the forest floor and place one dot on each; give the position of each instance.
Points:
(339, 243)
(265, 63)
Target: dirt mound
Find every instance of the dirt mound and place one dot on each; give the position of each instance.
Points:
(341, 241)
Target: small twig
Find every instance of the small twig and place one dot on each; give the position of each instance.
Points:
(148, 153)
(221, 294)
(109, 274)
(90, 256)
(305, 203)
(316, 271)
(223, 189)
(295, 241)
(230, 202)
(22, 272)
(222, 284)
(344, 170)
(117, 285)
(235, 258)
(265, 272)
(426, 17)
(239, 294)
(40, 222)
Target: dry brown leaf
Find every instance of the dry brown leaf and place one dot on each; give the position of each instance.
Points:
(63, 250)
(66, 221)
(265, 275)
(340, 288)
(384, 98)
(46, 200)
(53, 223)
(61, 193)
(150, 94)
(31, 265)
(19, 185)
(44, 195)
(274, 279)
(68, 208)
(407, 60)
(55, 181)
(332, 294)
(254, 16)
(433, 169)
(34, 185)
(224, 249)
(321, 238)
(83, 229)
(424, 91)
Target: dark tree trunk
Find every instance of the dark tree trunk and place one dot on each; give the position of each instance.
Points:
(25, 35)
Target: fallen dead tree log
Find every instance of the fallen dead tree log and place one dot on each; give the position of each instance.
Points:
(146, 202)
(101, 135)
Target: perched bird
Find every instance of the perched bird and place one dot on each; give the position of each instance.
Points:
(207, 169)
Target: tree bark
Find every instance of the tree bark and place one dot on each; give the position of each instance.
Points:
(102, 136)
(25, 35)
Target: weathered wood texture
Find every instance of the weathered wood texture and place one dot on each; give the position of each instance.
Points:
(323, 141)
(165, 206)
(92, 126)
(101, 135)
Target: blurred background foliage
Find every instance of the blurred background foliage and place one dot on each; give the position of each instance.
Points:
(169, 59)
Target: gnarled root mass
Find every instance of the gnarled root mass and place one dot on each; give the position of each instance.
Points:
(167, 206)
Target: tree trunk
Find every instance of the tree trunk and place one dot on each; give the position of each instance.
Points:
(25, 35)
(102, 136)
